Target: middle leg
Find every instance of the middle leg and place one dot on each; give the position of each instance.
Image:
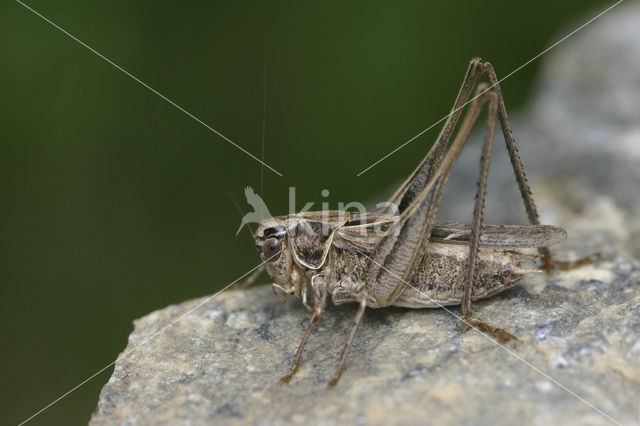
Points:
(343, 358)
(319, 305)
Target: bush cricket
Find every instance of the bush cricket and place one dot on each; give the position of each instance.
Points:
(401, 255)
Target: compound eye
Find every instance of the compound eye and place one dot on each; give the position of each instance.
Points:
(271, 249)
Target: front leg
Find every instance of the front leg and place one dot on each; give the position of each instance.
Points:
(319, 304)
(275, 287)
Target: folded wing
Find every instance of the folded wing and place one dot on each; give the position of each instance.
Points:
(505, 237)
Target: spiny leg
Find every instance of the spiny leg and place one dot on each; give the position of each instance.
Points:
(548, 262)
(418, 198)
(429, 166)
(319, 305)
(434, 160)
(516, 163)
(472, 263)
(434, 171)
(444, 165)
(497, 107)
(343, 358)
(417, 201)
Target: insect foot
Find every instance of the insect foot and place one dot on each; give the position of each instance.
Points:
(287, 378)
(551, 265)
(498, 333)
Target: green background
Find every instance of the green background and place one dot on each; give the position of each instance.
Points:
(103, 219)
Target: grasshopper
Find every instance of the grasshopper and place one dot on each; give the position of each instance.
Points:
(401, 255)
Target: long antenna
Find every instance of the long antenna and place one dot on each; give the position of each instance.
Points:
(213, 176)
(264, 123)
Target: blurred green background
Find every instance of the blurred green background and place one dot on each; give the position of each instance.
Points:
(103, 220)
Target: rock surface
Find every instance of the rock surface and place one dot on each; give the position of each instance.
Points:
(579, 359)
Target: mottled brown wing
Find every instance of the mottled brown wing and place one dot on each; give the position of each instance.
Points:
(501, 237)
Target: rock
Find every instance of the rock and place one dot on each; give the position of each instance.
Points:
(579, 358)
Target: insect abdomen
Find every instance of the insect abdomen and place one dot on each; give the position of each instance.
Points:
(439, 277)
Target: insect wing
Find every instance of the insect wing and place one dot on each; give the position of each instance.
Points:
(504, 237)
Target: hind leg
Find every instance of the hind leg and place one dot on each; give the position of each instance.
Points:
(471, 272)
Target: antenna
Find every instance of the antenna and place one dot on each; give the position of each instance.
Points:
(213, 176)
(264, 122)
(264, 129)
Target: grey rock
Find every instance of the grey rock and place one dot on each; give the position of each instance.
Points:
(580, 351)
